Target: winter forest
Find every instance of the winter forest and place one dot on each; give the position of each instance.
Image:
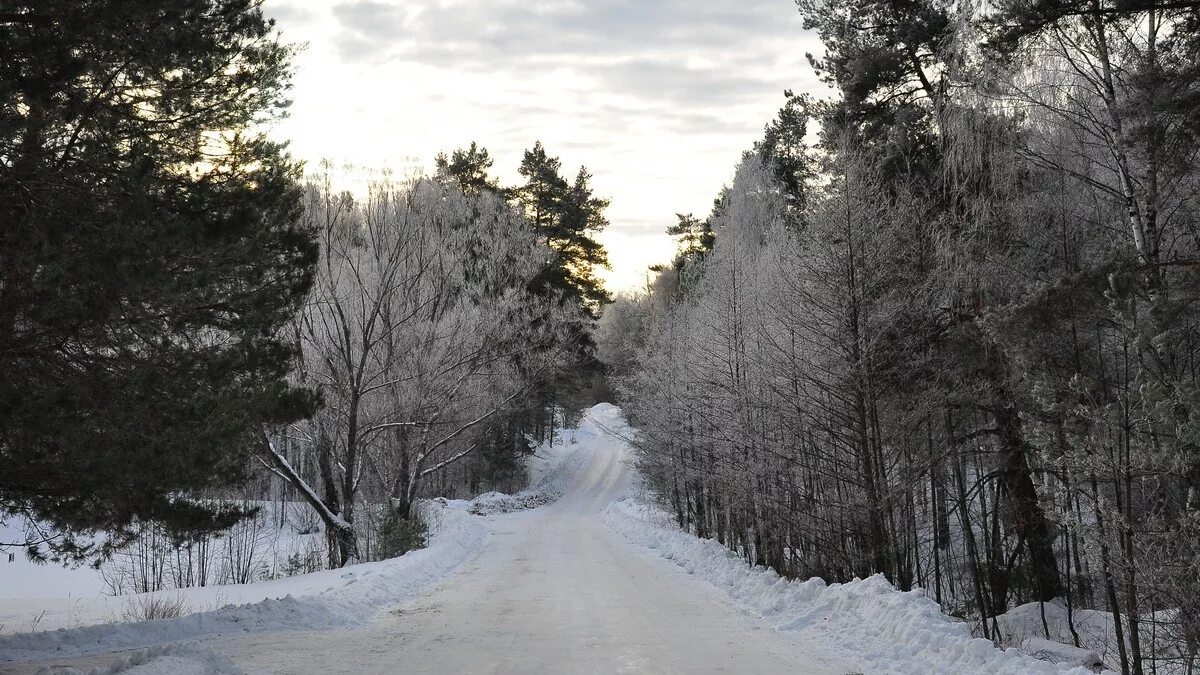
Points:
(954, 340)
(940, 329)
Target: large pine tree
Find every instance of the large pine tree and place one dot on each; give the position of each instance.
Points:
(568, 216)
(149, 253)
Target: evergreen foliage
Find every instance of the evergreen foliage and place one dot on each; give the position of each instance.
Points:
(567, 217)
(399, 534)
(468, 169)
(695, 238)
(149, 255)
(784, 147)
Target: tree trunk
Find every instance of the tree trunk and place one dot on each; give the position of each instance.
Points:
(1030, 520)
(339, 532)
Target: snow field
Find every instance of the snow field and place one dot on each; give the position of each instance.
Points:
(281, 540)
(328, 599)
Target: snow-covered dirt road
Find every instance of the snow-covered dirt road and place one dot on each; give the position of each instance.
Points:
(555, 591)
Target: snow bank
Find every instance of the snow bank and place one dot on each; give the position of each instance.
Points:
(1023, 626)
(328, 599)
(1046, 650)
(176, 659)
(886, 630)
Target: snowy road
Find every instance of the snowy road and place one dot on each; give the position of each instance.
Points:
(555, 591)
(592, 583)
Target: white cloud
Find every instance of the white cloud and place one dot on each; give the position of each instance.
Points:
(657, 97)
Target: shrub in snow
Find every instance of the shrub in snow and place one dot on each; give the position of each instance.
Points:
(151, 606)
(399, 535)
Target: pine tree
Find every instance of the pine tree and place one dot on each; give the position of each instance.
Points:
(696, 238)
(567, 216)
(468, 169)
(149, 254)
(784, 149)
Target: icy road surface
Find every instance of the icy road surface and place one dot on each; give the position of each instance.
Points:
(555, 591)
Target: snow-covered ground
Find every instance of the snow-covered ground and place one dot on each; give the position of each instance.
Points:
(321, 600)
(38, 597)
(594, 581)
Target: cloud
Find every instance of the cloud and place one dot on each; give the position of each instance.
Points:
(674, 51)
(674, 82)
(291, 16)
(366, 26)
(480, 31)
(657, 97)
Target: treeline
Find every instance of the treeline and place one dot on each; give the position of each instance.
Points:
(944, 327)
(189, 327)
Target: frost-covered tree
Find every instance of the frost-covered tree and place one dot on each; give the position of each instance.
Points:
(959, 350)
(420, 330)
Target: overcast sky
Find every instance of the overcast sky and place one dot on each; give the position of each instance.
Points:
(658, 98)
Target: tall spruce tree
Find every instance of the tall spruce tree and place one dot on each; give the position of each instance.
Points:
(149, 254)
